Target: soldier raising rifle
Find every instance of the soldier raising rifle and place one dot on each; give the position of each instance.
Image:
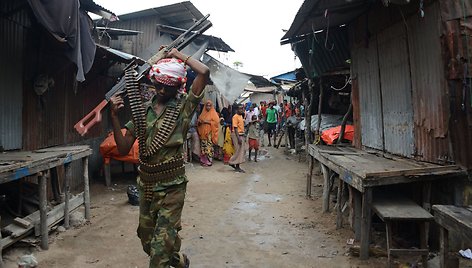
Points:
(162, 181)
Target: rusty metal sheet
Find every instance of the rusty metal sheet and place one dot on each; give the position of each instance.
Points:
(430, 101)
(460, 130)
(48, 121)
(455, 40)
(455, 9)
(395, 83)
(366, 71)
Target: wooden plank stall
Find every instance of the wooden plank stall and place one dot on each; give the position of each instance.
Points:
(363, 171)
(452, 218)
(394, 208)
(19, 164)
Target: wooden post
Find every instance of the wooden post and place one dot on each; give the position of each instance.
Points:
(424, 230)
(388, 230)
(308, 115)
(86, 188)
(443, 247)
(427, 196)
(106, 168)
(366, 223)
(357, 213)
(343, 123)
(43, 215)
(309, 177)
(320, 106)
(55, 184)
(66, 194)
(325, 171)
(1, 246)
(339, 208)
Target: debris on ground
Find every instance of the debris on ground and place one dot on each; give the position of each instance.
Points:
(27, 261)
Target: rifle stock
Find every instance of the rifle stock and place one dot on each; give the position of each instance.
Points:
(180, 42)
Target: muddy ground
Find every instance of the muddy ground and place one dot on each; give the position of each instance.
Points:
(257, 219)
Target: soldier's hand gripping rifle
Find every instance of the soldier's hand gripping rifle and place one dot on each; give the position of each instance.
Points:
(180, 42)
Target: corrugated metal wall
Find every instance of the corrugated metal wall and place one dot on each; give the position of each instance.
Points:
(137, 44)
(13, 27)
(49, 120)
(430, 100)
(413, 109)
(365, 69)
(395, 83)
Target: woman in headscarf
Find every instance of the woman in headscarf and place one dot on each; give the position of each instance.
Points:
(208, 123)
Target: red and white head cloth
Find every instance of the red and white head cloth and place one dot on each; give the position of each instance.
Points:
(171, 72)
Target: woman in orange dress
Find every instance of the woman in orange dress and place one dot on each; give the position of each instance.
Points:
(208, 123)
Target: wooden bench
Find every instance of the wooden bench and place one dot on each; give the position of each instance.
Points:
(452, 218)
(398, 208)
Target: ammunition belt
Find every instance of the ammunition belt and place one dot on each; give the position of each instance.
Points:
(160, 167)
(164, 132)
(138, 113)
(150, 179)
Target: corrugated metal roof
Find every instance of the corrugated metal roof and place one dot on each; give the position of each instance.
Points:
(311, 15)
(319, 55)
(288, 76)
(261, 89)
(120, 55)
(116, 31)
(214, 43)
(181, 15)
(260, 81)
(91, 6)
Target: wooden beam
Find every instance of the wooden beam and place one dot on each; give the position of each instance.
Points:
(1, 246)
(366, 223)
(86, 188)
(54, 216)
(320, 106)
(43, 202)
(326, 173)
(31, 168)
(66, 195)
(57, 213)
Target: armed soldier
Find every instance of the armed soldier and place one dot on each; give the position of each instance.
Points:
(162, 181)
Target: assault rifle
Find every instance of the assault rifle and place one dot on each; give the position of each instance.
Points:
(180, 42)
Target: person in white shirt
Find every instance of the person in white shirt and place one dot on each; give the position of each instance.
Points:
(249, 115)
(256, 110)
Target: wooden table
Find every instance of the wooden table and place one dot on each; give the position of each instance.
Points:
(364, 171)
(15, 165)
(452, 218)
(391, 208)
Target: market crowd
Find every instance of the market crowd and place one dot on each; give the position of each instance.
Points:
(236, 132)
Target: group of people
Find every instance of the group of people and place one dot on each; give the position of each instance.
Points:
(223, 135)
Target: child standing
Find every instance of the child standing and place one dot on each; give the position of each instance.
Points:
(253, 136)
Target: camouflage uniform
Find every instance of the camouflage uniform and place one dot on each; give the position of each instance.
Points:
(159, 219)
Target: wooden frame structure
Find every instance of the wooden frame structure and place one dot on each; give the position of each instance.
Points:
(452, 218)
(362, 172)
(19, 164)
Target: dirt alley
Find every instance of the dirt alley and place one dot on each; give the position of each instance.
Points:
(257, 219)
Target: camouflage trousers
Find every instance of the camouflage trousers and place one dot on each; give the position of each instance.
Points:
(159, 224)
